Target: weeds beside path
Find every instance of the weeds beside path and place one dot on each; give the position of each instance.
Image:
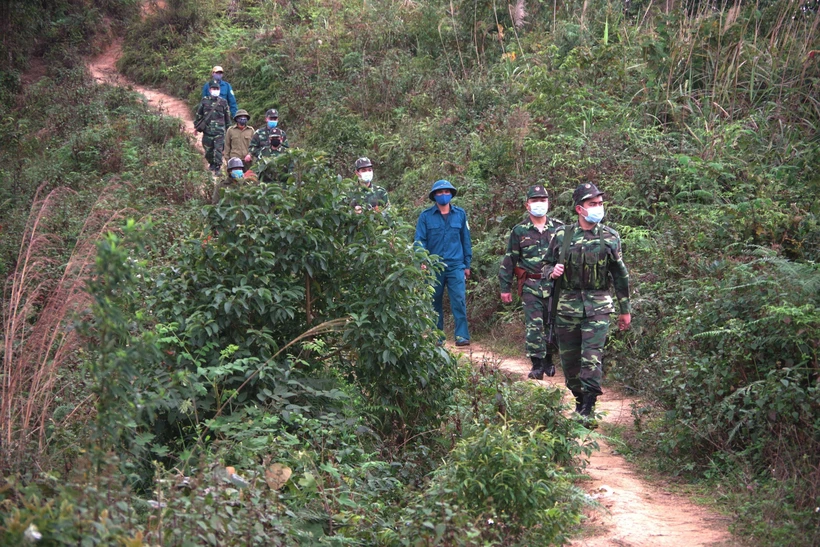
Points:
(636, 513)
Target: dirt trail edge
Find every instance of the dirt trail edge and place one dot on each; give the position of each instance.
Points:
(103, 69)
(637, 513)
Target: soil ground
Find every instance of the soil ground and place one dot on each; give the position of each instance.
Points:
(635, 512)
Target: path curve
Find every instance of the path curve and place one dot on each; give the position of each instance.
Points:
(103, 69)
(638, 514)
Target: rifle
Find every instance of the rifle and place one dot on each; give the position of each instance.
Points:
(552, 307)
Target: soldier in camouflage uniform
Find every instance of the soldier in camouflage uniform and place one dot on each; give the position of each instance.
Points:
(212, 117)
(526, 249)
(266, 167)
(586, 256)
(369, 195)
(237, 174)
(260, 142)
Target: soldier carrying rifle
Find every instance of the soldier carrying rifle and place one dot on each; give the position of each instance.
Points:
(525, 260)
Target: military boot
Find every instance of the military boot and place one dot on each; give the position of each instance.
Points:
(537, 372)
(547, 366)
(588, 404)
(586, 412)
(579, 401)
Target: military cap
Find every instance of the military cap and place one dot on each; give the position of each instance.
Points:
(241, 112)
(217, 68)
(277, 133)
(272, 113)
(537, 191)
(213, 83)
(585, 191)
(363, 162)
(235, 163)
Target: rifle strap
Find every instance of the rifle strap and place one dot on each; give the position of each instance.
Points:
(556, 285)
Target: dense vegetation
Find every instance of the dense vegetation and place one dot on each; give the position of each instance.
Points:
(206, 345)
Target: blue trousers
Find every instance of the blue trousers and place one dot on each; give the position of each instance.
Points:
(453, 279)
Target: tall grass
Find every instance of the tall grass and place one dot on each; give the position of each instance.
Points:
(42, 299)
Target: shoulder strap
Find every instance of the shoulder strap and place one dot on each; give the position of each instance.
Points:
(569, 231)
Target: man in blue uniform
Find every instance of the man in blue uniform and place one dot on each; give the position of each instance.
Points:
(443, 230)
(225, 89)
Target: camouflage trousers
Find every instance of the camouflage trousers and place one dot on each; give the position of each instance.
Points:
(213, 142)
(535, 322)
(581, 343)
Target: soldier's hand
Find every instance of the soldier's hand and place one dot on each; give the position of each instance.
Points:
(624, 320)
(557, 271)
(466, 273)
(247, 158)
(506, 297)
(358, 209)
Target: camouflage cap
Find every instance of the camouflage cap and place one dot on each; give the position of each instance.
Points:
(584, 192)
(276, 133)
(537, 191)
(213, 83)
(272, 113)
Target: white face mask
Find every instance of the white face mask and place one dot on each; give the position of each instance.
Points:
(594, 214)
(539, 208)
(214, 93)
(366, 176)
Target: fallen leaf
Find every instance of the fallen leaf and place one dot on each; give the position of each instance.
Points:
(277, 475)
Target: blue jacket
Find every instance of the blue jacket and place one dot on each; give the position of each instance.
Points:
(451, 241)
(226, 92)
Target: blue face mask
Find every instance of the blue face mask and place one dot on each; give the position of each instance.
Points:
(272, 123)
(443, 199)
(238, 174)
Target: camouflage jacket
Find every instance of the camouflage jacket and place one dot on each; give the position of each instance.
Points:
(372, 197)
(260, 143)
(527, 248)
(589, 270)
(237, 140)
(213, 115)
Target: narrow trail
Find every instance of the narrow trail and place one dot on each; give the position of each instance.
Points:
(103, 69)
(636, 513)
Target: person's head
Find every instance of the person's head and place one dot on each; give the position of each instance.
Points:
(537, 201)
(213, 87)
(276, 138)
(241, 117)
(272, 118)
(364, 170)
(442, 192)
(589, 202)
(236, 168)
(216, 73)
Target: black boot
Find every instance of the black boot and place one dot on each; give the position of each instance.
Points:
(537, 372)
(579, 400)
(547, 366)
(587, 404)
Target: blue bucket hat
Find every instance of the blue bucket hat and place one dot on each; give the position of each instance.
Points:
(441, 185)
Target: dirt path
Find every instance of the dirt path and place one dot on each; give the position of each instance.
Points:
(638, 514)
(104, 70)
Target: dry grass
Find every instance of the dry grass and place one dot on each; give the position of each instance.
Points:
(43, 298)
